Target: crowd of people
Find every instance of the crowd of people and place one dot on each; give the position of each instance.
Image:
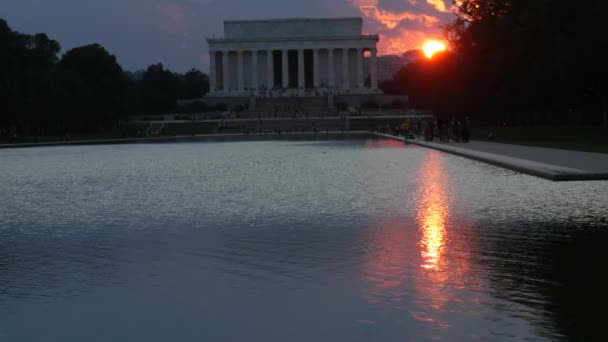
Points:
(432, 130)
(447, 131)
(8, 134)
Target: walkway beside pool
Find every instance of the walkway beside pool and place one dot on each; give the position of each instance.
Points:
(548, 163)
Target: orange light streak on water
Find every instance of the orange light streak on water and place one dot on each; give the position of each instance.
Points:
(433, 211)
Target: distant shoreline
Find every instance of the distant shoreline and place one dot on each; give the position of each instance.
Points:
(205, 138)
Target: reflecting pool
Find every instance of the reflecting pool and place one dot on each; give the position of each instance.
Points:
(355, 240)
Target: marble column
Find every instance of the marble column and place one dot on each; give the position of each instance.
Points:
(254, 69)
(269, 69)
(225, 71)
(330, 68)
(212, 73)
(301, 83)
(374, 69)
(285, 69)
(360, 81)
(241, 83)
(345, 78)
(315, 67)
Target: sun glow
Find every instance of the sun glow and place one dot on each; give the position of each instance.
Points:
(431, 47)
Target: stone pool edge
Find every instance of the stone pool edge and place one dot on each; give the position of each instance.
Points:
(542, 170)
(202, 138)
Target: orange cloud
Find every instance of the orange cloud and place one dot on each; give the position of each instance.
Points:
(359, 3)
(392, 19)
(398, 42)
(438, 4)
(396, 34)
(369, 8)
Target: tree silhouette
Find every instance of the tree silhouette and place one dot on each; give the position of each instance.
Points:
(516, 61)
(98, 86)
(84, 91)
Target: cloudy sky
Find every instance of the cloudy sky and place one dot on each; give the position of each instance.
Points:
(142, 32)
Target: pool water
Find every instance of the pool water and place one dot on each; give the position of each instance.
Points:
(354, 240)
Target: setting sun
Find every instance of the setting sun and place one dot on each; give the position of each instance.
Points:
(431, 47)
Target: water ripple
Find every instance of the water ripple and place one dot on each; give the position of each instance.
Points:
(299, 241)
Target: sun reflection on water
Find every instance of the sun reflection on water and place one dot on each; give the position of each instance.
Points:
(432, 212)
(417, 263)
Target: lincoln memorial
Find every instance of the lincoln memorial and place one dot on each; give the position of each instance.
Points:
(293, 56)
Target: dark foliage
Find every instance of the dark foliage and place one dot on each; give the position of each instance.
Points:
(515, 61)
(369, 105)
(222, 107)
(194, 107)
(86, 90)
(94, 88)
(397, 104)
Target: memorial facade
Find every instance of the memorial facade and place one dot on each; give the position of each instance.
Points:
(292, 56)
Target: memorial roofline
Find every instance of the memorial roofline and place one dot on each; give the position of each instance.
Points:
(278, 39)
(292, 19)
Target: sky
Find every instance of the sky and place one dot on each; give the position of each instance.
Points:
(173, 32)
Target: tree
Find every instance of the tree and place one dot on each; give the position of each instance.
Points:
(86, 90)
(11, 53)
(195, 84)
(95, 86)
(159, 90)
(26, 63)
(532, 61)
(430, 83)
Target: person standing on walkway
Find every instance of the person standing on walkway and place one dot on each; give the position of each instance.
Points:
(466, 130)
(405, 128)
(458, 132)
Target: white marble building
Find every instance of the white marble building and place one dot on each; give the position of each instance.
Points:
(286, 56)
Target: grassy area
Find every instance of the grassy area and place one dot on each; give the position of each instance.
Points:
(580, 138)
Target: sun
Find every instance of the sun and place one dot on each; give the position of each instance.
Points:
(431, 47)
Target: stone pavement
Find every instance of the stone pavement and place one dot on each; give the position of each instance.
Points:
(592, 162)
(548, 163)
